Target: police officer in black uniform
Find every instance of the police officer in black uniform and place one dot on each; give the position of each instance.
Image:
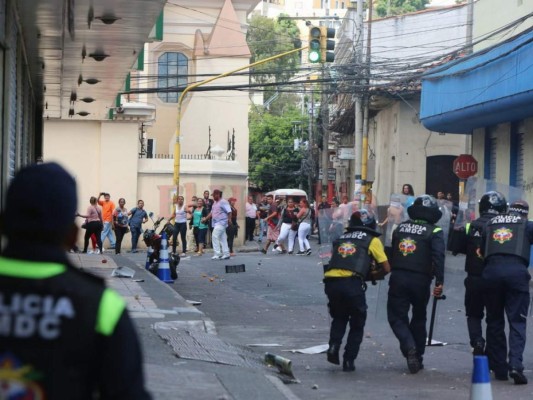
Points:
(506, 246)
(417, 256)
(467, 241)
(64, 335)
(345, 286)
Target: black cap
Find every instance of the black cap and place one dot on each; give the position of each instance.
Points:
(519, 207)
(40, 204)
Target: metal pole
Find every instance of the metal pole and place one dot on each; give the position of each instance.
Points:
(364, 169)
(324, 117)
(177, 147)
(358, 96)
(469, 50)
(311, 174)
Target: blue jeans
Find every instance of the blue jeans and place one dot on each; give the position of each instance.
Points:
(108, 232)
(263, 225)
(135, 234)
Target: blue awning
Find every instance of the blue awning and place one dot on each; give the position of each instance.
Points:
(488, 87)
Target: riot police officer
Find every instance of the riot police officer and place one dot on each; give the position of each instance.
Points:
(64, 334)
(344, 280)
(467, 241)
(417, 256)
(505, 246)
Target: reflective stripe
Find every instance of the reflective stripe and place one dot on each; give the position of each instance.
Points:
(29, 269)
(467, 228)
(437, 229)
(111, 308)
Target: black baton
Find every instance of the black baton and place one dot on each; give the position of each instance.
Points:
(432, 322)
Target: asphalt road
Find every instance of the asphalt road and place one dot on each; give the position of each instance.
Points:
(280, 300)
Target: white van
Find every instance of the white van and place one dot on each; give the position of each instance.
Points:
(282, 194)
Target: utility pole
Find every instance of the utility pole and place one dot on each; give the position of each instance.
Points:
(324, 117)
(311, 148)
(364, 169)
(469, 50)
(358, 99)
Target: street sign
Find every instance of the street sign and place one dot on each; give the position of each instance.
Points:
(465, 166)
(332, 174)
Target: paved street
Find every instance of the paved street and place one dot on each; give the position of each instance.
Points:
(279, 302)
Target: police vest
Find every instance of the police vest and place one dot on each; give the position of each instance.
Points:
(350, 252)
(52, 321)
(474, 234)
(506, 234)
(411, 243)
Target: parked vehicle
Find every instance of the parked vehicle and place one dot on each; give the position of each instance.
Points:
(153, 239)
(282, 194)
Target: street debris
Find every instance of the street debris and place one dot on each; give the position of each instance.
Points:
(321, 348)
(123, 272)
(194, 302)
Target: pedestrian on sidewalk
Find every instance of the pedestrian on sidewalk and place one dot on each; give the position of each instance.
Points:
(138, 216)
(251, 217)
(344, 284)
(200, 225)
(93, 225)
(107, 215)
(220, 217)
(417, 256)
(180, 216)
(120, 223)
(78, 341)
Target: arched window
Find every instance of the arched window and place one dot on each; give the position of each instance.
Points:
(172, 69)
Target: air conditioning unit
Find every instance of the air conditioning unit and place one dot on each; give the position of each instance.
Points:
(135, 111)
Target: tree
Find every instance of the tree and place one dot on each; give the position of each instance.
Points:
(273, 162)
(267, 37)
(397, 7)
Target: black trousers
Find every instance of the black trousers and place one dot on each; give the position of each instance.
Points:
(250, 228)
(347, 305)
(96, 228)
(181, 228)
(474, 307)
(507, 295)
(409, 291)
(119, 233)
(231, 231)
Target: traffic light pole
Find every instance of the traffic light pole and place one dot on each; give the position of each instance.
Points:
(177, 145)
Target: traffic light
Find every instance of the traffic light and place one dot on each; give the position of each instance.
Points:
(315, 52)
(325, 44)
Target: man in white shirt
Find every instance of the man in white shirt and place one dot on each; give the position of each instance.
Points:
(220, 216)
(251, 216)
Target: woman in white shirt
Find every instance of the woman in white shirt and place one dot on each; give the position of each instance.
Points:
(180, 224)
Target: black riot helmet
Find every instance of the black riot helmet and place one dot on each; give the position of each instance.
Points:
(492, 203)
(425, 207)
(368, 219)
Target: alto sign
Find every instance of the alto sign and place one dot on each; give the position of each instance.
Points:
(465, 166)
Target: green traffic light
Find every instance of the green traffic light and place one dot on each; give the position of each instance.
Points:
(314, 50)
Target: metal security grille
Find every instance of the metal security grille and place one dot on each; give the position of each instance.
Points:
(519, 159)
(493, 154)
(12, 102)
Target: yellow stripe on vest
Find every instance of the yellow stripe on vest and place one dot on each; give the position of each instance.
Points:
(111, 308)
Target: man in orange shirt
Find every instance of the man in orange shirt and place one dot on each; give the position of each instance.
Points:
(107, 215)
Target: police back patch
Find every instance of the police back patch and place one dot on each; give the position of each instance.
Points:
(19, 380)
(347, 249)
(407, 246)
(502, 235)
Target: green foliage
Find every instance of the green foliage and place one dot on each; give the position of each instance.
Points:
(274, 163)
(398, 7)
(268, 37)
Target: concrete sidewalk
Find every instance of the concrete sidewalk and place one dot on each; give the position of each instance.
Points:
(183, 357)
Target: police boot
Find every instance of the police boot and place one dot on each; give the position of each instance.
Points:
(479, 347)
(413, 361)
(348, 364)
(333, 354)
(518, 376)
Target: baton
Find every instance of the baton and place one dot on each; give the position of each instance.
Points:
(432, 323)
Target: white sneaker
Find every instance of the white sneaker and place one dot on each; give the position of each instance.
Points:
(225, 257)
(90, 252)
(103, 249)
(97, 251)
(215, 258)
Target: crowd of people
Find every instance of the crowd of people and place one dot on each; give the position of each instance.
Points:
(104, 220)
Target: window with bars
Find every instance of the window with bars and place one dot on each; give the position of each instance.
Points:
(172, 70)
